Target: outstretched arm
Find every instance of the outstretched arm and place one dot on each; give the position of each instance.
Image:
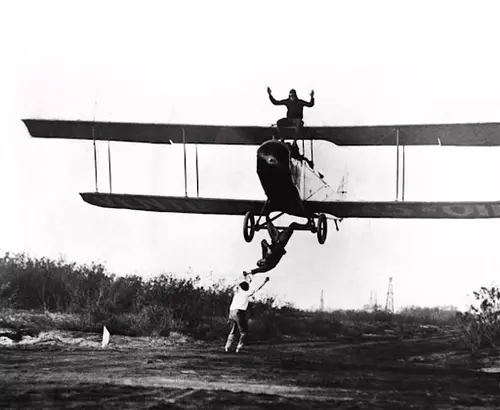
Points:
(311, 103)
(273, 100)
(260, 287)
(260, 269)
(236, 283)
(276, 102)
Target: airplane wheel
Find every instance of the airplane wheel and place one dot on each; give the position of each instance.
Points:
(322, 229)
(249, 227)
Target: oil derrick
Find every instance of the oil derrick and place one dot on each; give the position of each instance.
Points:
(389, 303)
(373, 305)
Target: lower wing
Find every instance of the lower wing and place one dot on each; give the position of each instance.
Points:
(174, 204)
(400, 210)
(338, 209)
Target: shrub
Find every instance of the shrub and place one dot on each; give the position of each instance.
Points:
(481, 325)
(429, 316)
(126, 305)
(130, 305)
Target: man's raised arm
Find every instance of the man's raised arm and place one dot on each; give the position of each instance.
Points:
(260, 287)
(261, 269)
(236, 283)
(311, 103)
(273, 100)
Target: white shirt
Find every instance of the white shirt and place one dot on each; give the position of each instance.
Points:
(240, 299)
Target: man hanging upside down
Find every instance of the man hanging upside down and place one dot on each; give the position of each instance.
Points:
(272, 254)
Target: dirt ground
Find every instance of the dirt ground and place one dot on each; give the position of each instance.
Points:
(69, 370)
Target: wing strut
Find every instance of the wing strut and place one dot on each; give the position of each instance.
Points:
(312, 151)
(397, 164)
(184, 146)
(197, 174)
(185, 162)
(95, 157)
(109, 168)
(95, 163)
(404, 172)
(403, 168)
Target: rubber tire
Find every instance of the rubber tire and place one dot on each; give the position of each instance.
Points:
(322, 229)
(249, 227)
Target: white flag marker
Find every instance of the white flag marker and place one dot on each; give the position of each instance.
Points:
(105, 337)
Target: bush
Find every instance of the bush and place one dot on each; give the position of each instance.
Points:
(481, 325)
(430, 316)
(126, 305)
(133, 306)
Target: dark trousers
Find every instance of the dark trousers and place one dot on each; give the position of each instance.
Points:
(291, 122)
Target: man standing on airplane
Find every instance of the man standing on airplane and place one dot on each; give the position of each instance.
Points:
(295, 111)
(295, 106)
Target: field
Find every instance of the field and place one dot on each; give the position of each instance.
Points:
(70, 369)
(167, 338)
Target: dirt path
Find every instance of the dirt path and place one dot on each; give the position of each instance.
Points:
(144, 374)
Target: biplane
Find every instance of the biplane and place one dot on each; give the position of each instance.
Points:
(288, 177)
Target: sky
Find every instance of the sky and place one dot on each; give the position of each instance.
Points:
(201, 62)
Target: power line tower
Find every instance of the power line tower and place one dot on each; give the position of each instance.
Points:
(321, 302)
(389, 303)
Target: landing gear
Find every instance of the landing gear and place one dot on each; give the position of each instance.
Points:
(322, 229)
(249, 227)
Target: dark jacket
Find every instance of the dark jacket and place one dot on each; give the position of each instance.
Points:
(295, 108)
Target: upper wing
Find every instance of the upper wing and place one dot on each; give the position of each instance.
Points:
(174, 204)
(480, 134)
(150, 133)
(419, 210)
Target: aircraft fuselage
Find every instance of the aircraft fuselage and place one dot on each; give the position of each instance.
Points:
(274, 168)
